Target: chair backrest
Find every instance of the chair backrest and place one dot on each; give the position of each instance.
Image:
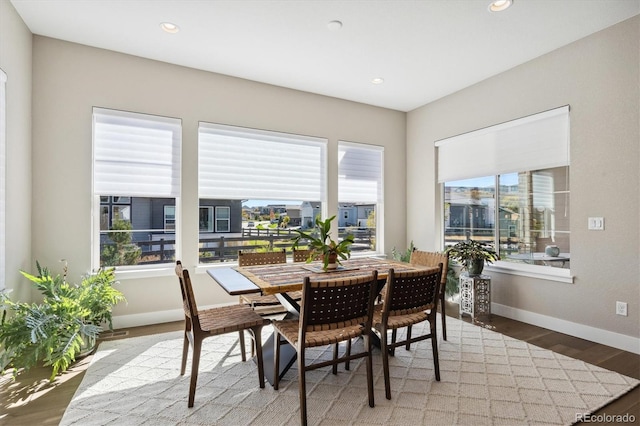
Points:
(412, 291)
(430, 258)
(263, 258)
(333, 304)
(301, 255)
(188, 298)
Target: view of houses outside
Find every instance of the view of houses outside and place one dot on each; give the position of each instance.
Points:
(137, 230)
(524, 213)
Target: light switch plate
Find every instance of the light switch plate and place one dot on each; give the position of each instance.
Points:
(596, 223)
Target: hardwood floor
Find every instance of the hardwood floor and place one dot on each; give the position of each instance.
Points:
(32, 400)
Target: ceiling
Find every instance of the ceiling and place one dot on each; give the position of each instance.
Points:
(423, 50)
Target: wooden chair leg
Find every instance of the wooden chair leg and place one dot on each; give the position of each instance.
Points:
(185, 352)
(276, 360)
(257, 343)
(385, 361)
(408, 345)
(242, 347)
(185, 345)
(346, 364)
(334, 367)
(367, 345)
(394, 335)
(444, 317)
(434, 347)
(303, 388)
(195, 364)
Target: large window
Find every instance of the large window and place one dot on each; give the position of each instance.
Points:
(136, 185)
(360, 194)
(524, 212)
(261, 184)
(509, 185)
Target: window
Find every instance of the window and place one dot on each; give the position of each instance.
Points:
(259, 182)
(525, 211)
(206, 219)
(522, 206)
(3, 173)
(222, 219)
(136, 186)
(360, 194)
(169, 218)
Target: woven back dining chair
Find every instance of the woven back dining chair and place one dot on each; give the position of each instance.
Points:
(200, 324)
(429, 258)
(269, 304)
(301, 255)
(332, 311)
(411, 298)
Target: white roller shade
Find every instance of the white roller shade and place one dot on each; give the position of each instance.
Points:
(535, 142)
(359, 173)
(136, 155)
(239, 163)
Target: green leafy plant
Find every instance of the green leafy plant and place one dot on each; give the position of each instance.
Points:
(472, 254)
(56, 331)
(321, 245)
(404, 256)
(452, 285)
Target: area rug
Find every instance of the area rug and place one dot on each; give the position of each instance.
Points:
(486, 378)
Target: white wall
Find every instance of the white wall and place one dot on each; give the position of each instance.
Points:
(15, 61)
(598, 77)
(69, 79)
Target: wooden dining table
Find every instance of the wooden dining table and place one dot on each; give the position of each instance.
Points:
(278, 279)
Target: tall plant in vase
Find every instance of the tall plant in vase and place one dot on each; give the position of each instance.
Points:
(322, 246)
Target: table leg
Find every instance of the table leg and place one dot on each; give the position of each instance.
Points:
(288, 354)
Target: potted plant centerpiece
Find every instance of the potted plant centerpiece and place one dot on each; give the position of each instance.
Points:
(63, 327)
(472, 254)
(322, 246)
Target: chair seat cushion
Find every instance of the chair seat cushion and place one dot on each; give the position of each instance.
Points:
(398, 320)
(226, 319)
(289, 329)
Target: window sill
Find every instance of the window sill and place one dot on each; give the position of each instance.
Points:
(163, 270)
(534, 271)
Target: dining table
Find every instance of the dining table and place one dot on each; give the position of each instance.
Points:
(278, 279)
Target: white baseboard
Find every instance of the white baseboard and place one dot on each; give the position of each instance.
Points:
(147, 318)
(598, 335)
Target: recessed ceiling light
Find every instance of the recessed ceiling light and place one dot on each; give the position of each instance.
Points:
(169, 27)
(334, 25)
(500, 5)
(377, 80)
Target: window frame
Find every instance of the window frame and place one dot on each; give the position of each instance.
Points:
(217, 218)
(240, 163)
(377, 199)
(210, 219)
(166, 184)
(553, 124)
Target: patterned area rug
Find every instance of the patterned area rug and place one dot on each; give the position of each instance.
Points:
(486, 378)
